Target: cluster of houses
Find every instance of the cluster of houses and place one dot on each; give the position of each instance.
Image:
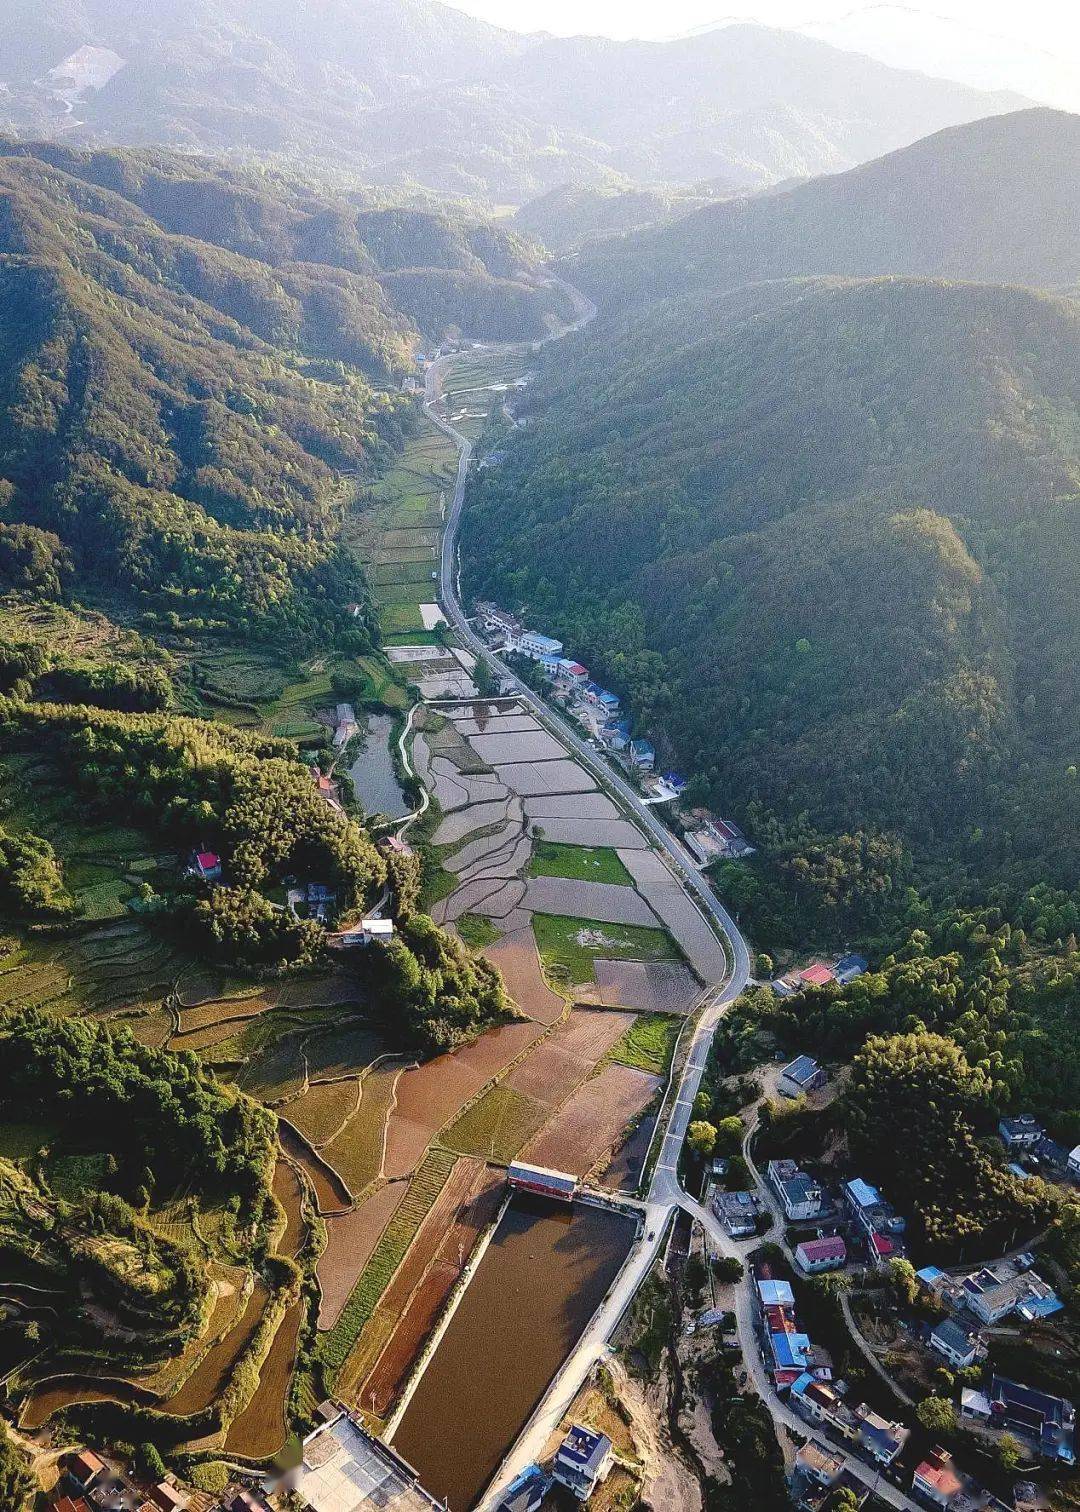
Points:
(88, 1483)
(804, 1372)
(582, 1462)
(843, 970)
(1034, 1152)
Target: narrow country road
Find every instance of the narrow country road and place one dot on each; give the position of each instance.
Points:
(665, 1191)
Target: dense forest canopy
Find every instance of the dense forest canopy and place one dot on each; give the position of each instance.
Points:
(191, 367)
(830, 532)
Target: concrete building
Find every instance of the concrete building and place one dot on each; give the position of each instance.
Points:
(937, 1479)
(344, 1469)
(642, 755)
(1020, 1133)
(993, 1292)
(583, 1460)
(878, 1221)
(955, 1344)
(737, 1211)
(816, 1255)
(1048, 1422)
(800, 1195)
(531, 643)
(526, 1491)
(879, 1438)
(802, 1076)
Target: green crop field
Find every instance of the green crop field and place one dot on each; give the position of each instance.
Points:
(584, 863)
(335, 1345)
(648, 1044)
(568, 947)
(477, 931)
(356, 1154)
(497, 1126)
(321, 1111)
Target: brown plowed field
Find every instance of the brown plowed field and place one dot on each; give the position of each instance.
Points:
(515, 956)
(589, 1125)
(350, 1239)
(260, 1431)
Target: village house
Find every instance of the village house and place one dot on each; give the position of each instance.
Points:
(394, 845)
(818, 1402)
(572, 673)
(815, 1255)
(367, 932)
(582, 1460)
(642, 755)
(344, 1469)
(1048, 1422)
(526, 1491)
(995, 1291)
(848, 967)
(206, 865)
(1020, 1133)
(817, 1464)
(881, 1439)
(800, 1195)
(955, 1344)
(937, 1479)
(879, 1223)
(802, 1076)
(737, 1211)
(84, 1469)
(168, 1498)
(816, 975)
(1074, 1163)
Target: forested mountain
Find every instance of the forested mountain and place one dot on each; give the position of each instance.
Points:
(187, 367)
(411, 92)
(823, 534)
(994, 200)
(571, 214)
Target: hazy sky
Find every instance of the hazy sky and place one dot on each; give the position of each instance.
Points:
(1033, 47)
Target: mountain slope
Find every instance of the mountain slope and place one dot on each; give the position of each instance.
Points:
(818, 532)
(411, 92)
(176, 416)
(998, 199)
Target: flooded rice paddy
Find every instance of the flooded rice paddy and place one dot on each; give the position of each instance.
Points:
(372, 774)
(536, 1288)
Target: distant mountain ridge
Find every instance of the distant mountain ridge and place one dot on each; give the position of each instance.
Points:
(414, 93)
(996, 199)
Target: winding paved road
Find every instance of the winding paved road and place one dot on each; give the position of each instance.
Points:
(665, 1192)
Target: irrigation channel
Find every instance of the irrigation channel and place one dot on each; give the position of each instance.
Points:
(542, 1277)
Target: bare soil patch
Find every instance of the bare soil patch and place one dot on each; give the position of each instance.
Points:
(350, 1240)
(515, 956)
(605, 902)
(529, 779)
(646, 986)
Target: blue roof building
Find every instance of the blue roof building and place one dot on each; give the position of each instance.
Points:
(849, 967)
(642, 753)
(526, 1491)
(790, 1351)
(584, 1457)
(776, 1293)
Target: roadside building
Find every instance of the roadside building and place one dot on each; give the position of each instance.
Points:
(815, 1255)
(775, 1293)
(937, 1479)
(881, 1439)
(1074, 1163)
(974, 1405)
(571, 673)
(168, 1498)
(791, 1356)
(737, 1211)
(802, 1076)
(582, 1460)
(616, 735)
(642, 755)
(955, 1344)
(1020, 1133)
(818, 1464)
(394, 845)
(526, 1491)
(818, 1402)
(800, 1195)
(549, 665)
(1048, 1422)
(536, 646)
(367, 932)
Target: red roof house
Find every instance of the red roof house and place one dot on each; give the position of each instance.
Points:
(816, 975)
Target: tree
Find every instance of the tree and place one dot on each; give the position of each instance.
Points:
(729, 1136)
(149, 1465)
(904, 1281)
(937, 1415)
(845, 1500)
(17, 1486)
(1008, 1452)
(763, 966)
(701, 1137)
(728, 1268)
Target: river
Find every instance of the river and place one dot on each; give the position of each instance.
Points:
(372, 773)
(543, 1276)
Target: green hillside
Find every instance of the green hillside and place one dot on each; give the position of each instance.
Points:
(830, 555)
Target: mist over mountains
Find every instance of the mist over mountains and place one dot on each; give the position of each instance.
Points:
(411, 93)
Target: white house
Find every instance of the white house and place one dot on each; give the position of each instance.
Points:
(960, 1348)
(1074, 1163)
(799, 1194)
(532, 643)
